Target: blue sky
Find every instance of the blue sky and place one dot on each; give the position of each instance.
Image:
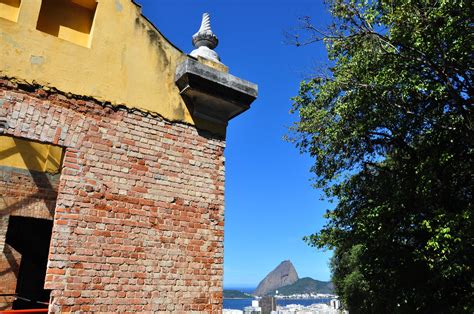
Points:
(270, 204)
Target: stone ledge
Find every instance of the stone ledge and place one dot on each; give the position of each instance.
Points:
(211, 94)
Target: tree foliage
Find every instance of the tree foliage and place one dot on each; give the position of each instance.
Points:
(391, 129)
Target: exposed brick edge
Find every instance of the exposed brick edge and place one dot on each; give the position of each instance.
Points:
(35, 89)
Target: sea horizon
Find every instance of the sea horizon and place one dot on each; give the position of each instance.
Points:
(248, 289)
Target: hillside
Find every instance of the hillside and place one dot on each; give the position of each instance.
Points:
(305, 285)
(236, 294)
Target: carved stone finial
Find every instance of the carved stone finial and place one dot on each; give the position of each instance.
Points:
(205, 24)
(205, 41)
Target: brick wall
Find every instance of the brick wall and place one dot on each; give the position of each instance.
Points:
(139, 214)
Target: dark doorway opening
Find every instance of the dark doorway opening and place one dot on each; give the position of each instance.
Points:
(31, 238)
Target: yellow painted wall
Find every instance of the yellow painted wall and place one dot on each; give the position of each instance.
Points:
(126, 61)
(30, 155)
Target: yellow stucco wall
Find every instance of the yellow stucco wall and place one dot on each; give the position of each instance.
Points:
(30, 155)
(124, 60)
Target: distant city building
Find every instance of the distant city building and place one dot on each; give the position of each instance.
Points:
(254, 308)
(319, 308)
(262, 307)
(226, 311)
(268, 304)
(335, 304)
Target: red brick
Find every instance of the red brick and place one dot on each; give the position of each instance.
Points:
(133, 242)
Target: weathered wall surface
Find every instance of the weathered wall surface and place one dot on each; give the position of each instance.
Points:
(138, 222)
(27, 194)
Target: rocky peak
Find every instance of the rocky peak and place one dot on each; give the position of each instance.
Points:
(283, 275)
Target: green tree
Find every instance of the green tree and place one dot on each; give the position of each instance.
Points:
(390, 126)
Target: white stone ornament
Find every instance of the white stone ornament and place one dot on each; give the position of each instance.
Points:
(205, 41)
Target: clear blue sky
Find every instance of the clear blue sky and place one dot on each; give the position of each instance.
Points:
(270, 204)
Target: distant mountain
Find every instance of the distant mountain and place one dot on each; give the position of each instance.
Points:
(283, 275)
(305, 285)
(236, 294)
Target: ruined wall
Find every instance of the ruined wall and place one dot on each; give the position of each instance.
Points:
(138, 222)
